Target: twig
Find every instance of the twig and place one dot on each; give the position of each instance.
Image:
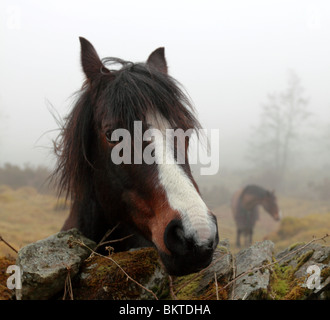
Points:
(116, 240)
(174, 297)
(112, 260)
(6, 243)
(272, 263)
(234, 275)
(106, 235)
(216, 285)
(68, 286)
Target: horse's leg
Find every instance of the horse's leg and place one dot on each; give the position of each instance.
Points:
(246, 238)
(250, 236)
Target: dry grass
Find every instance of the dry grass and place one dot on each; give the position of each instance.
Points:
(294, 230)
(310, 218)
(27, 216)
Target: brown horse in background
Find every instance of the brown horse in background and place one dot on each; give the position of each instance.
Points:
(245, 208)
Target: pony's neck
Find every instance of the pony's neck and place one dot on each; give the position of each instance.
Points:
(88, 217)
(252, 196)
(256, 191)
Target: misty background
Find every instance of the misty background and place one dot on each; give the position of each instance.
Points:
(234, 58)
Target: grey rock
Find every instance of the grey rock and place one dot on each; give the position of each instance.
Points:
(319, 254)
(158, 279)
(255, 284)
(45, 264)
(45, 267)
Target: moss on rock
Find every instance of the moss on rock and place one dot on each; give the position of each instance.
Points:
(285, 285)
(303, 259)
(101, 278)
(187, 286)
(281, 278)
(325, 273)
(295, 245)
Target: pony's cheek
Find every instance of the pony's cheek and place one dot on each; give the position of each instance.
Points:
(152, 227)
(151, 217)
(158, 225)
(139, 211)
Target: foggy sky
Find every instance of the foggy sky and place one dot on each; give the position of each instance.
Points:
(227, 54)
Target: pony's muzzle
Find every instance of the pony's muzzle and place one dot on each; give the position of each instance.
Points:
(186, 253)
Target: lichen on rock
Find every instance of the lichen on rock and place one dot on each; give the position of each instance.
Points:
(255, 284)
(45, 264)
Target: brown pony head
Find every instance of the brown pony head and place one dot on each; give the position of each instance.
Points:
(116, 117)
(269, 203)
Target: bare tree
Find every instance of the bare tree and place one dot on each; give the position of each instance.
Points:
(282, 117)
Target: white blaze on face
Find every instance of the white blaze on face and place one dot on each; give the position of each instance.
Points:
(181, 194)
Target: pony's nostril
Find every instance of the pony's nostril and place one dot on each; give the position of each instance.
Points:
(210, 245)
(174, 238)
(178, 243)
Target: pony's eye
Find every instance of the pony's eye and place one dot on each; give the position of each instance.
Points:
(108, 136)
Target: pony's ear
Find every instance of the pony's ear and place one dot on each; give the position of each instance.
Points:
(157, 60)
(90, 61)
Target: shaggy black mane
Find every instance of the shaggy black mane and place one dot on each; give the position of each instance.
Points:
(120, 97)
